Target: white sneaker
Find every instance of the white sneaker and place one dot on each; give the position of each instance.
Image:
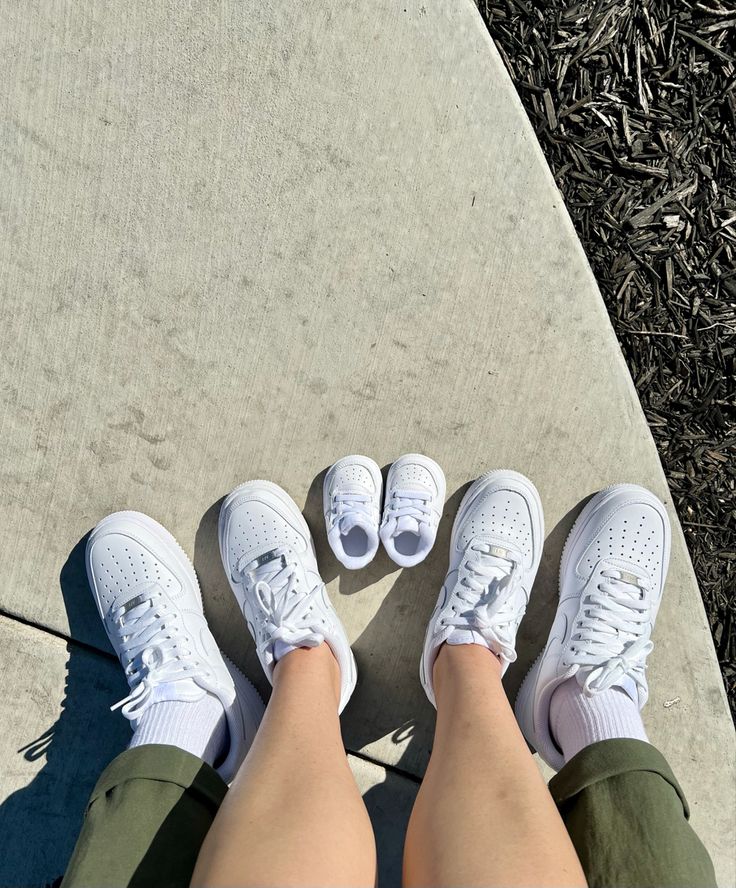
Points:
(351, 498)
(148, 596)
(415, 497)
(612, 574)
(269, 558)
(495, 549)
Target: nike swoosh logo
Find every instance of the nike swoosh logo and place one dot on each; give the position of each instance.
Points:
(445, 596)
(560, 639)
(205, 642)
(564, 631)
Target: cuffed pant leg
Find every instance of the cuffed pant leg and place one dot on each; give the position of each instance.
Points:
(146, 820)
(628, 819)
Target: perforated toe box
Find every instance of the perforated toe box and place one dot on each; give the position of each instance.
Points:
(351, 476)
(631, 531)
(411, 475)
(255, 526)
(502, 514)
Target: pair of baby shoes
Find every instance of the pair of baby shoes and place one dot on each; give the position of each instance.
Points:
(407, 527)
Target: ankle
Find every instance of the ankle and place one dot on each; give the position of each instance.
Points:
(462, 667)
(317, 665)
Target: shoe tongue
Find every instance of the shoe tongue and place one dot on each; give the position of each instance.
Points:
(184, 690)
(407, 524)
(128, 598)
(268, 564)
(629, 577)
(354, 519)
(497, 558)
(466, 636)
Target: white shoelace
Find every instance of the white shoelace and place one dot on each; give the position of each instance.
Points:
(488, 589)
(152, 650)
(409, 504)
(351, 503)
(615, 615)
(285, 600)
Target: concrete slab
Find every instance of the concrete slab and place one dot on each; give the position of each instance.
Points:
(244, 239)
(58, 736)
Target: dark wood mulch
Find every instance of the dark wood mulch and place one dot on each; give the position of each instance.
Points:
(634, 104)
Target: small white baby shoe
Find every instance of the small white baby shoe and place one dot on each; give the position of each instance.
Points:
(415, 496)
(351, 498)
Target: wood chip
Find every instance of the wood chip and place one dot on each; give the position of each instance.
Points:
(634, 105)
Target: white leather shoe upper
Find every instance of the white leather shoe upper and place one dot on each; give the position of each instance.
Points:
(612, 576)
(415, 497)
(351, 498)
(495, 549)
(148, 597)
(268, 556)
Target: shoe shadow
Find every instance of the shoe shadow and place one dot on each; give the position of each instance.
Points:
(41, 821)
(389, 699)
(540, 613)
(220, 606)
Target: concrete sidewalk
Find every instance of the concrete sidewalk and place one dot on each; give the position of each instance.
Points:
(245, 239)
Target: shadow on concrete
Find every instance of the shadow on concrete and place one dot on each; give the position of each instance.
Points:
(220, 606)
(540, 614)
(40, 822)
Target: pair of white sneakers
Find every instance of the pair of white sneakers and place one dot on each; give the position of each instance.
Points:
(352, 495)
(611, 579)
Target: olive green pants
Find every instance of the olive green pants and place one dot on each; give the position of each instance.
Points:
(621, 804)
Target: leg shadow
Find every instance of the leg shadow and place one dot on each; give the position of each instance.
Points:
(40, 822)
(389, 806)
(540, 614)
(221, 609)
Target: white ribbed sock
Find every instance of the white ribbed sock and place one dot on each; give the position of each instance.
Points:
(196, 726)
(578, 720)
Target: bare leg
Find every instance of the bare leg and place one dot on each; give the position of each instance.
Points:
(483, 815)
(294, 815)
